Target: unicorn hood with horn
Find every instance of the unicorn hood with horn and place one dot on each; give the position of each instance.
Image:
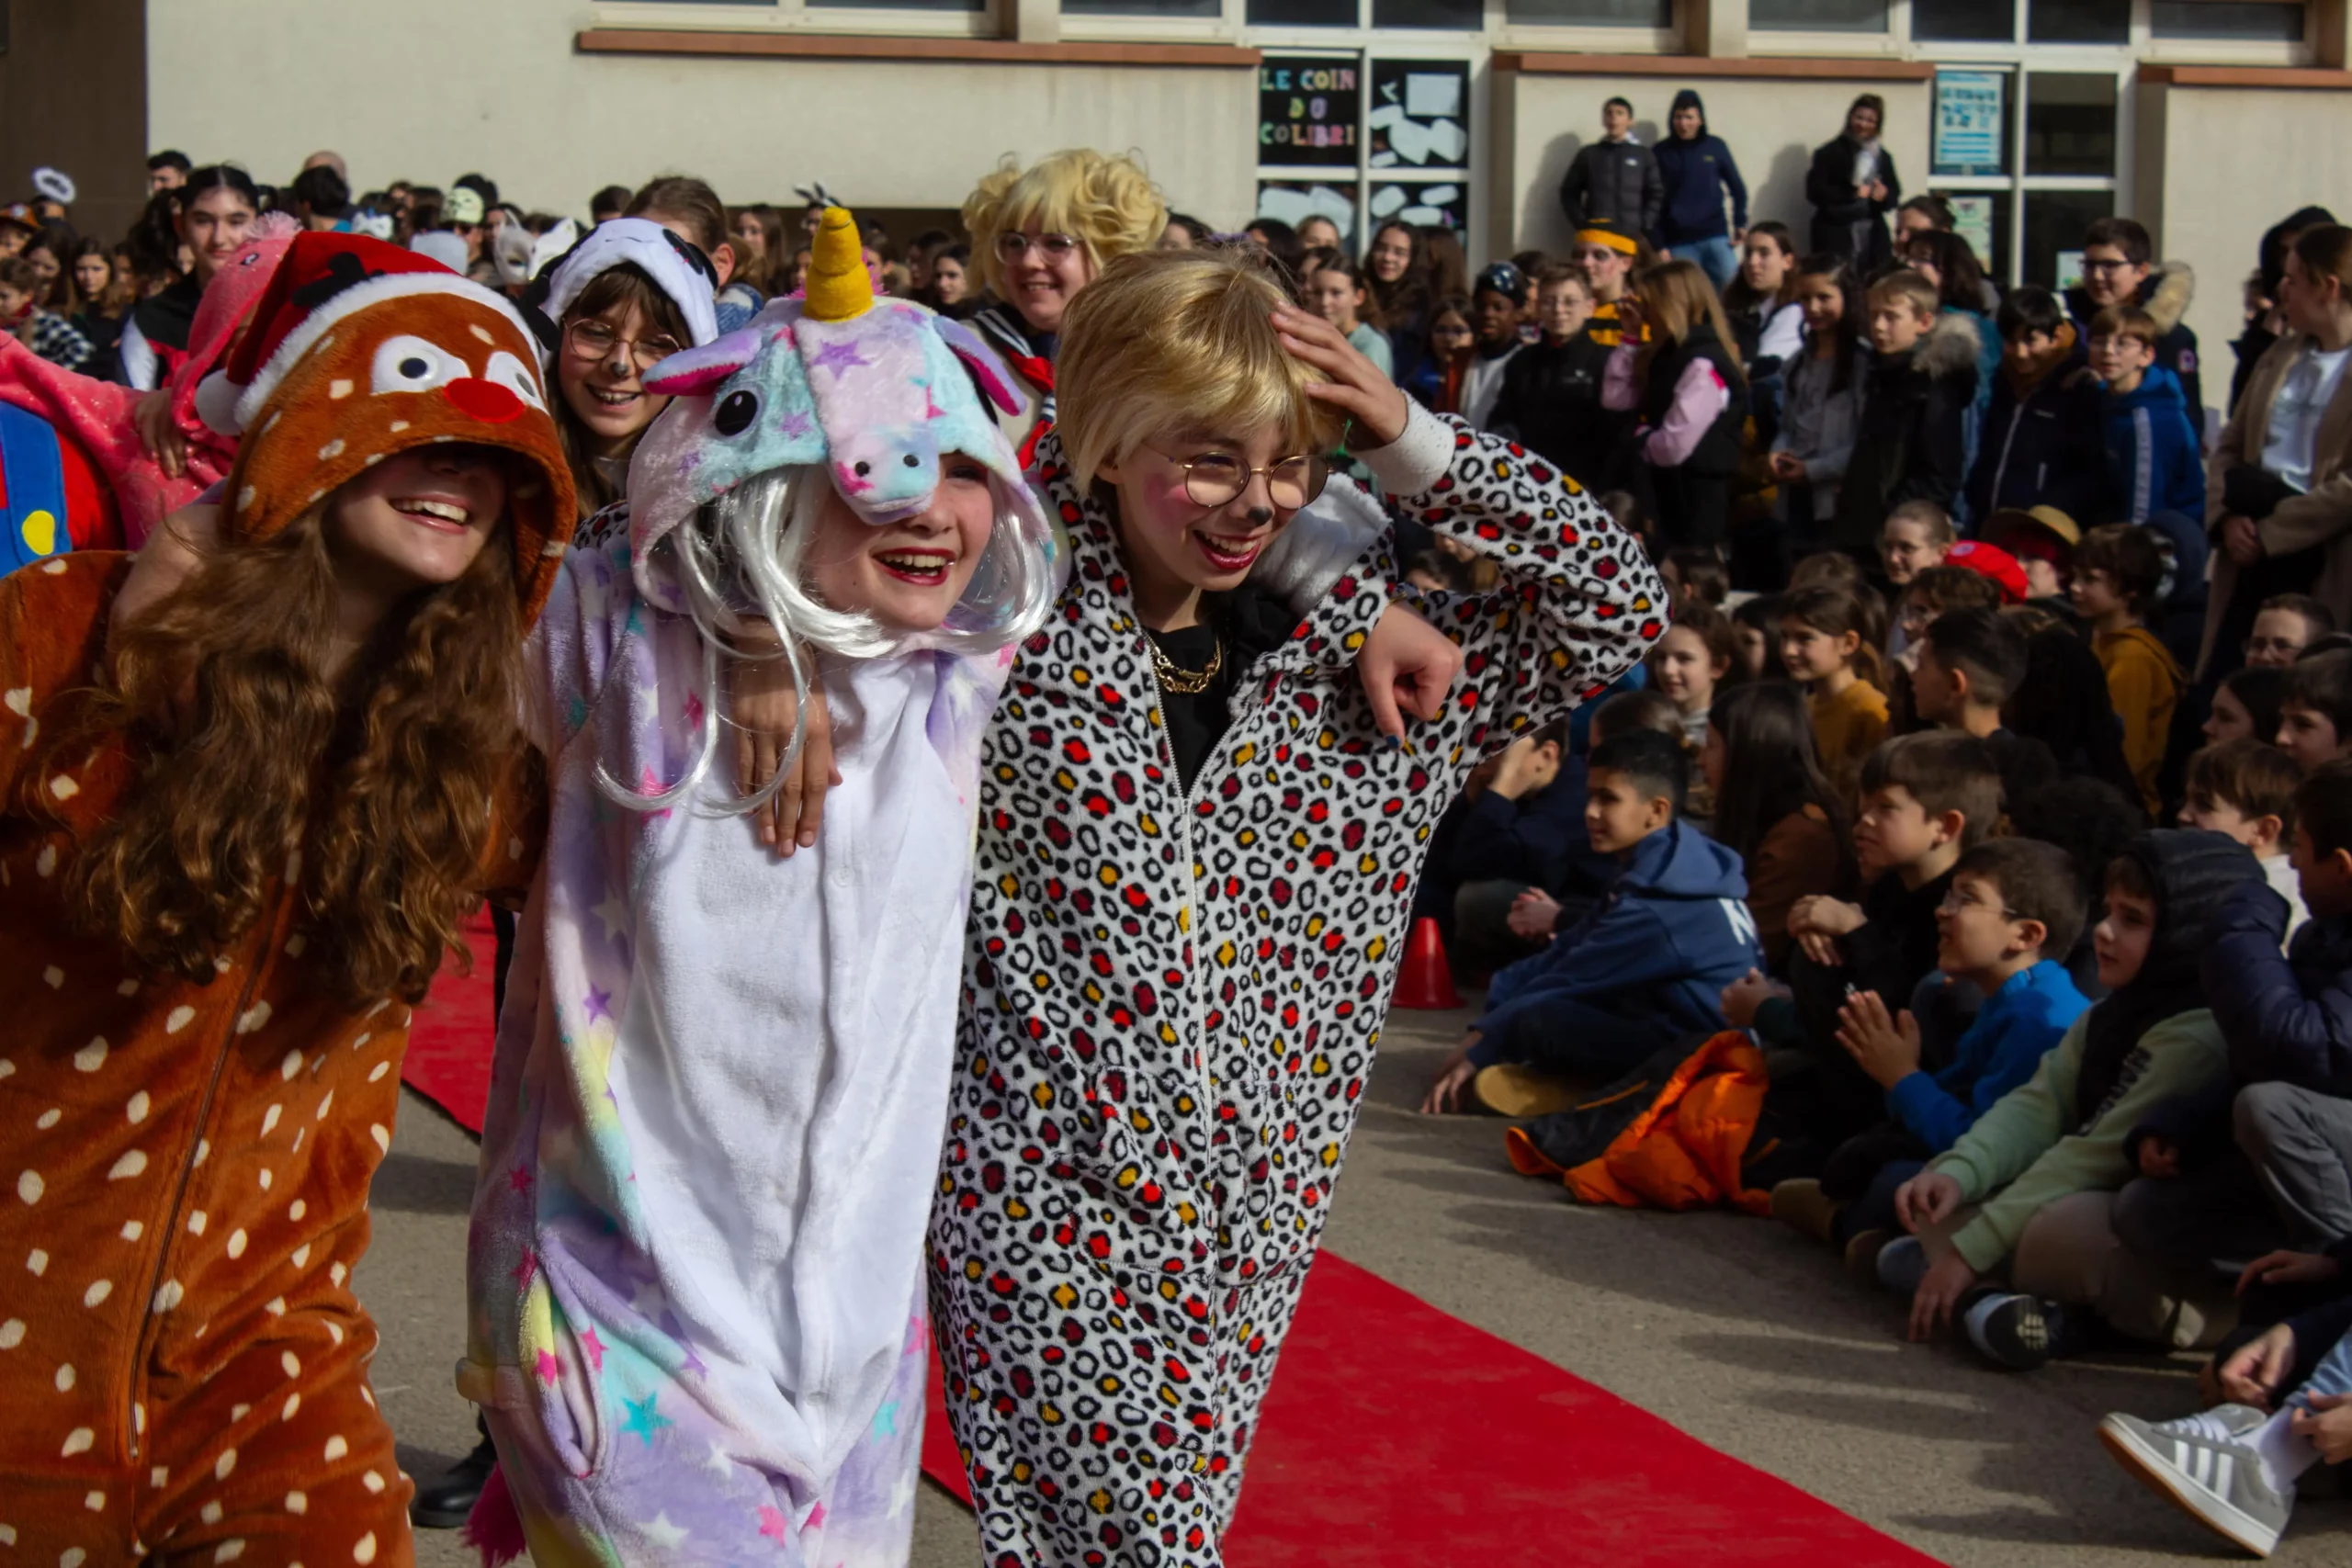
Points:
(697, 1317)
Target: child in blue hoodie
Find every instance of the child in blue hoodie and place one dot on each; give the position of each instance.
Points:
(2010, 901)
(1695, 171)
(2153, 453)
(1646, 967)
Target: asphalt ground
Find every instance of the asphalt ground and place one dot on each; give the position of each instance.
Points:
(1735, 1329)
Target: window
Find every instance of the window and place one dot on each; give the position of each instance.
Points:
(2079, 21)
(2054, 221)
(2069, 124)
(905, 5)
(1657, 14)
(1454, 15)
(1969, 21)
(1818, 16)
(2258, 20)
(1302, 12)
(1164, 8)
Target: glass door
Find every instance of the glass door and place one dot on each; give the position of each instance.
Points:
(2030, 135)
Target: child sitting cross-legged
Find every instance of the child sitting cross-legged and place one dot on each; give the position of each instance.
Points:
(2011, 902)
(1927, 800)
(1645, 967)
(2014, 1243)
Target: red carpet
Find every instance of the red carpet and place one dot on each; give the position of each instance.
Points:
(1463, 1449)
(1397, 1434)
(449, 1038)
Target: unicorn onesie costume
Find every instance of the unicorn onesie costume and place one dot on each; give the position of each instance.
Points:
(697, 1320)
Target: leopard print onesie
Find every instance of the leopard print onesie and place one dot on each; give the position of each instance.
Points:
(1173, 996)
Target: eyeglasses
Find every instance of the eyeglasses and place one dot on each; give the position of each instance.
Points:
(2104, 267)
(593, 340)
(1011, 245)
(1955, 903)
(2254, 644)
(1213, 478)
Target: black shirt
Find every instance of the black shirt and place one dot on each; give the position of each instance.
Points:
(1242, 624)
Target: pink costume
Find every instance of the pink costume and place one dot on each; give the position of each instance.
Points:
(96, 415)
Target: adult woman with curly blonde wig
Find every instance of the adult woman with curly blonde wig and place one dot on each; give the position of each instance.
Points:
(1039, 235)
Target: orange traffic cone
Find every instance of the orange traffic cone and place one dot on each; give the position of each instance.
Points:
(1425, 983)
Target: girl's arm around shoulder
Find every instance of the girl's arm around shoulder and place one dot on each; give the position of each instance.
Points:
(1578, 603)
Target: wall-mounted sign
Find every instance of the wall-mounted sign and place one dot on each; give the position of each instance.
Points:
(1307, 111)
(1971, 123)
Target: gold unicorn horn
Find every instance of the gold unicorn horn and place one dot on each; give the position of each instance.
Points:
(838, 287)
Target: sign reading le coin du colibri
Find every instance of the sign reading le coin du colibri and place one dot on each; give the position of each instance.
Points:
(1307, 111)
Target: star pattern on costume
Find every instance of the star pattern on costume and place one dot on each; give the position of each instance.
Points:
(798, 423)
(526, 1266)
(691, 1362)
(837, 357)
(903, 1492)
(816, 1517)
(613, 913)
(594, 1349)
(662, 1533)
(643, 1418)
(773, 1523)
(885, 1419)
(549, 1369)
(650, 782)
(520, 1178)
(721, 1462)
(598, 1003)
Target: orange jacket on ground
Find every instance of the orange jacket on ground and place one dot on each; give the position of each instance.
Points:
(1673, 1134)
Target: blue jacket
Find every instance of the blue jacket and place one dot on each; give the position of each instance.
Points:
(2038, 449)
(1539, 839)
(2152, 452)
(1673, 931)
(2286, 1018)
(1695, 175)
(2012, 1032)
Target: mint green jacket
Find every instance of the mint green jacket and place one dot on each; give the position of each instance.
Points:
(2029, 1150)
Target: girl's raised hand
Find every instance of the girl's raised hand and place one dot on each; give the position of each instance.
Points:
(1355, 385)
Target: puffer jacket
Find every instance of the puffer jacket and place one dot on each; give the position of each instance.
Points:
(1613, 182)
(1672, 1134)
(1173, 996)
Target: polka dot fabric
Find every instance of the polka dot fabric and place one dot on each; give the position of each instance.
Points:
(182, 1361)
(1173, 1001)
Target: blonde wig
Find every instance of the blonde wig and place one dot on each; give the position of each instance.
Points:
(1105, 202)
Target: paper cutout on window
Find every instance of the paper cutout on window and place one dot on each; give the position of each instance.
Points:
(1430, 96)
(1386, 201)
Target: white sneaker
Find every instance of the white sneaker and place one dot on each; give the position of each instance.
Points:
(2200, 1464)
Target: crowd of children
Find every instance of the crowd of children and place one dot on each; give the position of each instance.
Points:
(1988, 770)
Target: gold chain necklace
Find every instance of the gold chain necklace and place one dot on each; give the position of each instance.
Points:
(1187, 682)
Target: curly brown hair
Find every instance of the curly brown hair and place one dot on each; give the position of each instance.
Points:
(374, 789)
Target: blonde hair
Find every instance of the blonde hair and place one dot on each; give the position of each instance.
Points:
(1909, 288)
(1180, 342)
(1678, 297)
(1106, 203)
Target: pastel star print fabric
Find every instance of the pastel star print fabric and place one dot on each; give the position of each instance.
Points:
(695, 1268)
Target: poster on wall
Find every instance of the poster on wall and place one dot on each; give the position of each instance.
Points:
(1420, 114)
(1295, 201)
(1421, 205)
(1972, 114)
(1972, 219)
(1308, 106)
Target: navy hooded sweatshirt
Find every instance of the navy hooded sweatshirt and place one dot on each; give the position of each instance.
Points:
(1672, 932)
(2153, 456)
(1695, 174)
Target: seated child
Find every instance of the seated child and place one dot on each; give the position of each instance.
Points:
(2232, 1469)
(1909, 444)
(2154, 459)
(2029, 1191)
(1917, 536)
(2246, 790)
(2246, 705)
(2315, 714)
(1968, 663)
(1756, 624)
(1773, 806)
(2284, 625)
(1926, 800)
(1695, 572)
(1932, 591)
(1827, 642)
(1550, 397)
(2118, 574)
(1522, 832)
(1643, 968)
(1541, 912)
(1698, 656)
(2011, 901)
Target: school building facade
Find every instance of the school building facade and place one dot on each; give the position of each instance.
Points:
(2205, 119)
